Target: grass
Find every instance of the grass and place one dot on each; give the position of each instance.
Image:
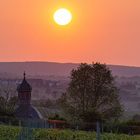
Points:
(11, 133)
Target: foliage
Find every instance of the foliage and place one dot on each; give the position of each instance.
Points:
(136, 118)
(7, 105)
(56, 117)
(11, 133)
(7, 101)
(92, 94)
(127, 127)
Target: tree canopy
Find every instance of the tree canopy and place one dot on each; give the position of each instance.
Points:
(92, 94)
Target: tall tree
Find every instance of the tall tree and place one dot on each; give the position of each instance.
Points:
(92, 94)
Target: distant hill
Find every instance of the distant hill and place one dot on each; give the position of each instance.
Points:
(50, 80)
(56, 69)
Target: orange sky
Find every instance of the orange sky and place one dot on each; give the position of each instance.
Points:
(106, 31)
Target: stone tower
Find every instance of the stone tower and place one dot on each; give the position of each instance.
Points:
(25, 109)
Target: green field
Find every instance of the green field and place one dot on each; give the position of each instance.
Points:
(11, 133)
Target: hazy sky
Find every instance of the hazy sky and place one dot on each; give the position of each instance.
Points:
(106, 31)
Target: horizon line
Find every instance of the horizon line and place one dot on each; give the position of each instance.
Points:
(38, 61)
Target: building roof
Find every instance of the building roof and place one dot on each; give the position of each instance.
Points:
(24, 86)
(27, 112)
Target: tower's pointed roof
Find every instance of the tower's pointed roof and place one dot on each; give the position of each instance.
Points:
(24, 86)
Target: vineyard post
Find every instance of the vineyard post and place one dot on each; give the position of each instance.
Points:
(97, 130)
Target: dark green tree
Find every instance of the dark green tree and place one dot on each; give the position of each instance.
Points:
(92, 94)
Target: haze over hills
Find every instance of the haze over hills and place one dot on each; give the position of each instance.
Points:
(50, 80)
(36, 69)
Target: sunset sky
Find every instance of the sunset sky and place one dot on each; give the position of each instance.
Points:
(106, 31)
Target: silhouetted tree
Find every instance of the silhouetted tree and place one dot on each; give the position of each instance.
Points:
(7, 100)
(92, 94)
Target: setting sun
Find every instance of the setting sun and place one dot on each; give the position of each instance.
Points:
(62, 16)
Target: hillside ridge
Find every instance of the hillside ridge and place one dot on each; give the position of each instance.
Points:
(58, 69)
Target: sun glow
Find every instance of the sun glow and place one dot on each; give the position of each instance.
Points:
(62, 16)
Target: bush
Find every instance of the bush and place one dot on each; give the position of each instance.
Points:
(9, 120)
(9, 133)
(56, 117)
(129, 127)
